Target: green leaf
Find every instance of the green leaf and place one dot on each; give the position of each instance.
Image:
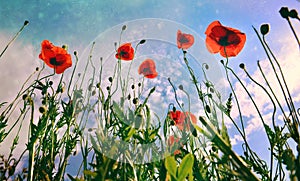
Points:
(130, 133)
(118, 111)
(171, 165)
(288, 159)
(224, 134)
(186, 166)
(95, 144)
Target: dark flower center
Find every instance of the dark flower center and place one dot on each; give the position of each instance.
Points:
(53, 61)
(229, 39)
(124, 54)
(183, 39)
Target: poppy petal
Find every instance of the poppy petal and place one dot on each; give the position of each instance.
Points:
(184, 40)
(125, 52)
(228, 41)
(55, 57)
(148, 69)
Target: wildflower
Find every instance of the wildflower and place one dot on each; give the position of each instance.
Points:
(228, 41)
(125, 52)
(171, 144)
(55, 57)
(148, 69)
(183, 119)
(184, 41)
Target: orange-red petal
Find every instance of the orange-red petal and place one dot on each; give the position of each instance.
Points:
(55, 57)
(228, 41)
(184, 40)
(125, 52)
(148, 69)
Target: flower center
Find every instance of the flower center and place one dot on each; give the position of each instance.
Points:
(229, 39)
(183, 39)
(123, 54)
(53, 61)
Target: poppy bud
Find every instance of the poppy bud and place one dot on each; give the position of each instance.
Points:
(129, 97)
(110, 79)
(79, 74)
(180, 87)
(43, 102)
(123, 27)
(284, 12)
(42, 109)
(222, 62)
(26, 22)
(98, 85)
(207, 108)
(293, 14)
(107, 88)
(206, 66)
(242, 66)
(264, 29)
(152, 90)
(132, 86)
(36, 69)
(135, 101)
(65, 47)
(75, 53)
(93, 92)
(50, 82)
(24, 96)
(139, 84)
(142, 41)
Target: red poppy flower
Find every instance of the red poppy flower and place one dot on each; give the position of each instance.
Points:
(148, 69)
(182, 119)
(184, 41)
(171, 142)
(125, 52)
(221, 38)
(55, 57)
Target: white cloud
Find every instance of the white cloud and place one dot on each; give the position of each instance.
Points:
(289, 59)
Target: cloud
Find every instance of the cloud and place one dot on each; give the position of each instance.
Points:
(289, 59)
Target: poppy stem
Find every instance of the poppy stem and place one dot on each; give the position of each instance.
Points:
(234, 94)
(273, 117)
(294, 32)
(73, 72)
(176, 98)
(294, 115)
(13, 39)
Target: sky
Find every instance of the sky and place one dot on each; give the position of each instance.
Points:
(79, 23)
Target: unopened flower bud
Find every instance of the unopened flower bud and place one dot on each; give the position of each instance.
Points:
(242, 66)
(264, 29)
(284, 12)
(26, 22)
(293, 14)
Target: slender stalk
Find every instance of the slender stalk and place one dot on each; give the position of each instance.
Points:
(273, 117)
(284, 82)
(293, 30)
(13, 39)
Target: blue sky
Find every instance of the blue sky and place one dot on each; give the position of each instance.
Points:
(78, 23)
